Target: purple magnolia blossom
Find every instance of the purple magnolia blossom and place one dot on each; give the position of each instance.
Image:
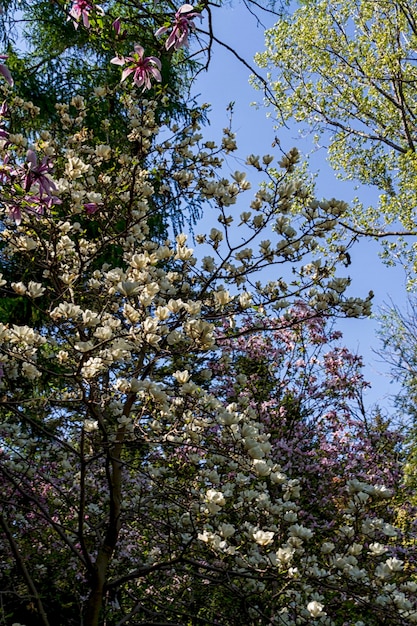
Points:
(91, 207)
(38, 174)
(3, 112)
(5, 169)
(181, 28)
(4, 70)
(15, 213)
(117, 26)
(81, 10)
(35, 205)
(143, 68)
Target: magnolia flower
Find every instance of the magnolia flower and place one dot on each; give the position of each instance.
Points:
(15, 214)
(35, 289)
(32, 205)
(3, 112)
(37, 174)
(117, 25)
(91, 207)
(75, 168)
(263, 537)
(19, 288)
(90, 425)
(80, 10)
(315, 608)
(4, 71)
(182, 26)
(30, 371)
(143, 68)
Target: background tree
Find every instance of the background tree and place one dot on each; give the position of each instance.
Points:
(398, 334)
(347, 71)
(309, 390)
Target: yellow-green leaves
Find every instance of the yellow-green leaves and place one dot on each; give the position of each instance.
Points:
(347, 70)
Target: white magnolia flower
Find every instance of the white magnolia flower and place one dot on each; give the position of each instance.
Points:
(222, 297)
(245, 300)
(263, 537)
(35, 289)
(297, 530)
(84, 346)
(215, 497)
(30, 371)
(19, 288)
(227, 530)
(90, 426)
(103, 152)
(92, 367)
(261, 467)
(327, 547)
(182, 377)
(315, 608)
(75, 168)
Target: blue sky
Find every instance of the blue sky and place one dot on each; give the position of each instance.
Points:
(228, 80)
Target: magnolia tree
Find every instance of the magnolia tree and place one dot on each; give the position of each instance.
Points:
(307, 390)
(133, 490)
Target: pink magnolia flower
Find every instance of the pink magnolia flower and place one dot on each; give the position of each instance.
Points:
(15, 214)
(5, 170)
(91, 207)
(36, 173)
(143, 68)
(117, 27)
(3, 112)
(81, 9)
(4, 71)
(182, 26)
(32, 205)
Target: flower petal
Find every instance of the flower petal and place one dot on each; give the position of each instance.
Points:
(118, 61)
(6, 73)
(161, 31)
(126, 72)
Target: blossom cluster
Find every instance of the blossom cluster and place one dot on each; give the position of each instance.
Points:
(144, 68)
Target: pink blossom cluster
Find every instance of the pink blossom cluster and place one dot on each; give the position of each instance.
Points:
(147, 68)
(36, 188)
(143, 68)
(308, 394)
(81, 10)
(182, 26)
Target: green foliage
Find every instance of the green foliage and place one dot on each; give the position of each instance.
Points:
(398, 333)
(50, 58)
(347, 70)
